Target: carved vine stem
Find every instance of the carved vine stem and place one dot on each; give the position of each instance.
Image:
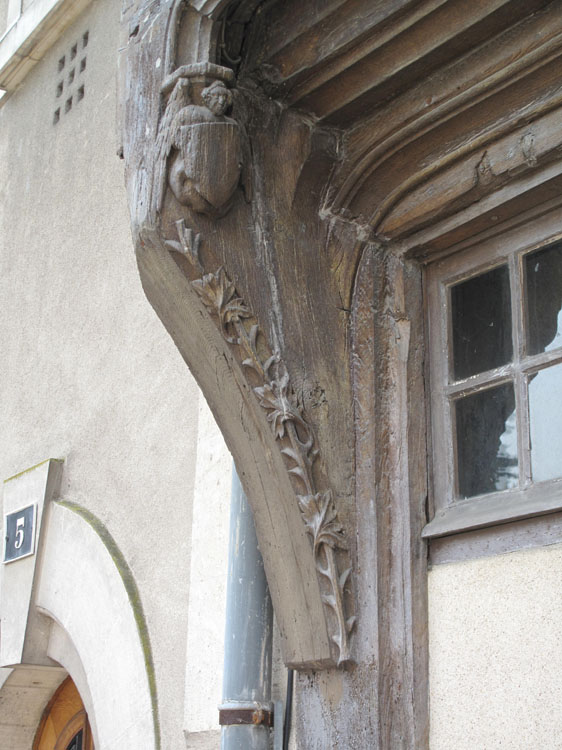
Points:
(273, 391)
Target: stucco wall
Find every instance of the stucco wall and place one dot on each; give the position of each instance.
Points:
(88, 373)
(3, 15)
(496, 652)
(205, 636)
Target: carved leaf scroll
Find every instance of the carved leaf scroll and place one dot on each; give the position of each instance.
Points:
(218, 294)
(320, 517)
(295, 436)
(273, 397)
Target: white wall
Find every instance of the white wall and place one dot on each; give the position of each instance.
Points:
(496, 652)
(207, 600)
(87, 372)
(3, 15)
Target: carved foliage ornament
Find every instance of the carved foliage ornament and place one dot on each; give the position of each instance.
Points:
(272, 388)
(198, 154)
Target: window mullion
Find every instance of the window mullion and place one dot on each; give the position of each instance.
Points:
(520, 380)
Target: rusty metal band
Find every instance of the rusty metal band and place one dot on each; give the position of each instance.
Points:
(245, 716)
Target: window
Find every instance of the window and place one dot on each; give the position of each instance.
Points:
(76, 741)
(495, 336)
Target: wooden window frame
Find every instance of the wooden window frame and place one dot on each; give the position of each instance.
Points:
(77, 723)
(451, 515)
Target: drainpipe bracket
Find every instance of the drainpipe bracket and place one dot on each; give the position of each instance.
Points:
(255, 714)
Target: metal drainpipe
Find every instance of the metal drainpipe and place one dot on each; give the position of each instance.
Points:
(246, 710)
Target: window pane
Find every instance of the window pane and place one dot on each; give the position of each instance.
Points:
(545, 410)
(543, 275)
(481, 323)
(487, 441)
(76, 742)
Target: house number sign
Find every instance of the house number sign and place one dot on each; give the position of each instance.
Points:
(20, 533)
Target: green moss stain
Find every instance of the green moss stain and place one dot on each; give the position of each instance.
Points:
(134, 597)
(32, 468)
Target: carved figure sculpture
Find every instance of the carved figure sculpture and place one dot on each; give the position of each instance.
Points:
(198, 145)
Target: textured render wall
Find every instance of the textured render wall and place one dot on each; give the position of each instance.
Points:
(207, 599)
(496, 652)
(3, 15)
(87, 371)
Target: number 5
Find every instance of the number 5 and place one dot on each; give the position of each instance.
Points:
(20, 532)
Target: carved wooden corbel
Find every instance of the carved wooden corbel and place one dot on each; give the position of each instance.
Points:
(198, 155)
(270, 382)
(194, 168)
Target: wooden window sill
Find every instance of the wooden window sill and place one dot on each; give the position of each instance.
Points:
(496, 508)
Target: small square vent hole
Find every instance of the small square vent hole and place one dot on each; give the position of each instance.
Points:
(71, 70)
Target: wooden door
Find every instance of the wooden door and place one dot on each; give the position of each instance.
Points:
(64, 725)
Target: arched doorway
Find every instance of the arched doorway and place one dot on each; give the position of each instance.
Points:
(64, 724)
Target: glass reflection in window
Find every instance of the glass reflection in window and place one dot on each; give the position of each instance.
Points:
(487, 441)
(545, 413)
(76, 742)
(543, 282)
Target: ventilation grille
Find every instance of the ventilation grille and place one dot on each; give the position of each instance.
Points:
(70, 88)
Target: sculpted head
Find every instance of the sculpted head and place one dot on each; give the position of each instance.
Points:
(217, 98)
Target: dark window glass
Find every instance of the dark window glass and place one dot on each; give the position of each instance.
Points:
(543, 281)
(76, 742)
(487, 441)
(481, 323)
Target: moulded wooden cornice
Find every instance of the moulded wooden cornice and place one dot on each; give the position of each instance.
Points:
(517, 202)
(302, 51)
(341, 60)
(419, 92)
(447, 112)
(485, 169)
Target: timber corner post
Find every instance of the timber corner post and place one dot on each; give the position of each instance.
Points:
(192, 173)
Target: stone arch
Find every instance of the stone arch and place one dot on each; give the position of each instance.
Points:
(88, 590)
(87, 605)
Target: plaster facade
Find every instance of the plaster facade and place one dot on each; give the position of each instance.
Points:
(91, 377)
(3, 15)
(495, 638)
(82, 589)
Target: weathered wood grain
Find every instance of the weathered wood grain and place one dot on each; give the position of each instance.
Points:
(369, 138)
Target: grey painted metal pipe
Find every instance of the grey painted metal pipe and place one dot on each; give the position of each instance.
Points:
(249, 629)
